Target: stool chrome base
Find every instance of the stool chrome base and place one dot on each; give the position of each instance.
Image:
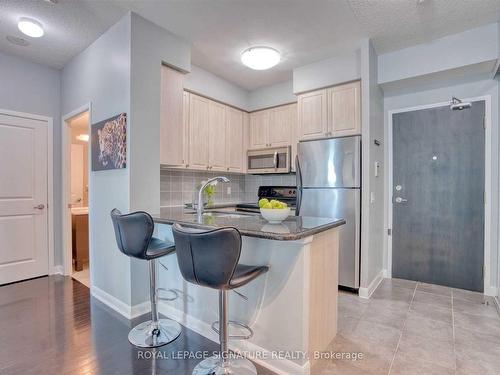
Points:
(236, 365)
(145, 336)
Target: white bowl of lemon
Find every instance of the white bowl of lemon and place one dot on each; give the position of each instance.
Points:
(273, 210)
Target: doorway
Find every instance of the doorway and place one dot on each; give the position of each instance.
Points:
(76, 175)
(25, 196)
(438, 190)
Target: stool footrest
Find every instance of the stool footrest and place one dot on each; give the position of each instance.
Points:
(164, 290)
(240, 325)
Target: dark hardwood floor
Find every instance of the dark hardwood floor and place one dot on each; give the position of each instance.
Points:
(52, 325)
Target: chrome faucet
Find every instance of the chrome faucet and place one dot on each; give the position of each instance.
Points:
(199, 208)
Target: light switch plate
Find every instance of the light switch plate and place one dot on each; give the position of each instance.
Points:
(376, 168)
(229, 190)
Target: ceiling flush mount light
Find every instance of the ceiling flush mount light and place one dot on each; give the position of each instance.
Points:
(260, 58)
(83, 137)
(30, 27)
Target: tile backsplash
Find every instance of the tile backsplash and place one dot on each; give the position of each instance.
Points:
(178, 187)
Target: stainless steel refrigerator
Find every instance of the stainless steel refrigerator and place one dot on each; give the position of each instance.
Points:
(329, 185)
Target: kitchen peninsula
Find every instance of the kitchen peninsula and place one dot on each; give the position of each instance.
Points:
(292, 310)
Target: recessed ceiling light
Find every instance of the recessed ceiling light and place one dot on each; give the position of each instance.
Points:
(83, 137)
(17, 41)
(260, 58)
(30, 27)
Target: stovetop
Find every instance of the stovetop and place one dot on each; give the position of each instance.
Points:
(286, 194)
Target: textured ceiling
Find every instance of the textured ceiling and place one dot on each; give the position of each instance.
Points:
(70, 26)
(395, 24)
(304, 31)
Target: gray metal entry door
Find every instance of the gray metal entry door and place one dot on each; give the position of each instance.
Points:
(438, 196)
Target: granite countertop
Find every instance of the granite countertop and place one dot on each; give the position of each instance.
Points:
(251, 225)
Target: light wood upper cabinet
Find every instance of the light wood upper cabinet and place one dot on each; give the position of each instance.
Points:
(171, 117)
(331, 112)
(272, 127)
(216, 136)
(280, 125)
(259, 128)
(235, 147)
(344, 114)
(185, 138)
(198, 131)
(313, 118)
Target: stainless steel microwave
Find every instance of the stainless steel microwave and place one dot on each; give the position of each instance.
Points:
(269, 160)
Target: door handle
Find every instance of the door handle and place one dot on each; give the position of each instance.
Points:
(275, 160)
(401, 200)
(39, 207)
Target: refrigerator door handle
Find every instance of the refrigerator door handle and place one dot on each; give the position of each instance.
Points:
(299, 185)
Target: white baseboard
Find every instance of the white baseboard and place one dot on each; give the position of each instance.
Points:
(278, 366)
(57, 270)
(129, 312)
(497, 304)
(490, 291)
(367, 292)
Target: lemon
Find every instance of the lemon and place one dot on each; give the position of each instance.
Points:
(267, 205)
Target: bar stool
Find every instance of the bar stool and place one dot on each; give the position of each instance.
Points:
(134, 236)
(210, 259)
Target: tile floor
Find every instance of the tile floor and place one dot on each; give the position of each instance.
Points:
(415, 328)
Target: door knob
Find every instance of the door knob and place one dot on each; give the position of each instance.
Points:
(39, 207)
(401, 200)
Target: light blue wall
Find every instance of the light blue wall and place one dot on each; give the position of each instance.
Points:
(270, 96)
(101, 75)
(329, 72)
(372, 226)
(215, 87)
(32, 88)
(451, 52)
(151, 46)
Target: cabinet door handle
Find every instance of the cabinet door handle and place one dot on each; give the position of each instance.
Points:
(39, 207)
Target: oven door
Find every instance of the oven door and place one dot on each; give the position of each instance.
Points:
(270, 160)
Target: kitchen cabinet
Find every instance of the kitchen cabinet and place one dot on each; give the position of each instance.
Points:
(281, 124)
(313, 115)
(331, 112)
(273, 127)
(185, 137)
(80, 239)
(235, 146)
(172, 145)
(345, 111)
(216, 136)
(198, 131)
(259, 126)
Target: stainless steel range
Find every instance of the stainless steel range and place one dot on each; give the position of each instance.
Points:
(286, 194)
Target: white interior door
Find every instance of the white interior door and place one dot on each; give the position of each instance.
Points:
(77, 160)
(23, 198)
